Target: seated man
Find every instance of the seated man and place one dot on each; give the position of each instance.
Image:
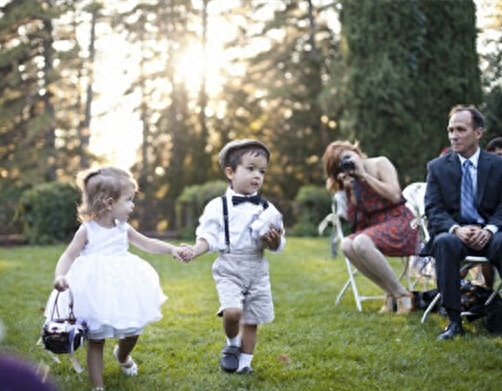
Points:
(488, 272)
(463, 204)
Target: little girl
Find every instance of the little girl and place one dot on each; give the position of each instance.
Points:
(115, 291)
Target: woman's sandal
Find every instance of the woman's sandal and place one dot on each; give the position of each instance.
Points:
(98, 389)
(388, 306)
(129, 367)
(405, 304)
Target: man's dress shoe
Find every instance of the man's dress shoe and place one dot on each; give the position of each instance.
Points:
(451, 331)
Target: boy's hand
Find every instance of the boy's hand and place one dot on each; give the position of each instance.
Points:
(272, 238)
(183, 253)
(60, 283)
(188, 254)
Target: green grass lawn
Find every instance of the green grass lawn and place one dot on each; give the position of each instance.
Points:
(311, 345)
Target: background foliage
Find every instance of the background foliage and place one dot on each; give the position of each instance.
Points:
(302, 74)
(48, 212)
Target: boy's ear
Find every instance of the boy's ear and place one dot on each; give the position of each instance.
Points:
(229, 173)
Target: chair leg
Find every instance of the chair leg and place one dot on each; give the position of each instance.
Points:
(494, 294)
(342, 292)
(406, 273)
(351, 283)
(430, 307)
(352, 280)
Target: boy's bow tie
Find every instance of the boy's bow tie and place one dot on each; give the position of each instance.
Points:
(256, 199)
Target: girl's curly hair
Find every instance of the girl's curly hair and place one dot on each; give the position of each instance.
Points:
(99, 185)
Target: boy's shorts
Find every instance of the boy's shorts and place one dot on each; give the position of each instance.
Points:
(243, 281)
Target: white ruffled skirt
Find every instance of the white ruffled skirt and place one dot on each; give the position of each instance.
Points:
(117, 295)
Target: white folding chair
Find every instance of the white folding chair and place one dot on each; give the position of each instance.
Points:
(468, 263)
(422, 269)
(339, 211)
(415, 193)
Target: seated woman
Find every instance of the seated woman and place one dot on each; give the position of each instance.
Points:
(377, 213)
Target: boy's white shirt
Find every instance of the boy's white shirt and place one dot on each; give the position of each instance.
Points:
(240, 218)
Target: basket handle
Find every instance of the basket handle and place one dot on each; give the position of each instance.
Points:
(55, 308)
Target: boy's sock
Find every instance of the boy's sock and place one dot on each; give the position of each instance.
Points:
(245, 361)
(236, 341)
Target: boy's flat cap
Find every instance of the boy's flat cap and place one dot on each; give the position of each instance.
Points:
(238, 144)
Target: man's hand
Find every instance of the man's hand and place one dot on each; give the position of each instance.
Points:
(479, 238)
(474, 237)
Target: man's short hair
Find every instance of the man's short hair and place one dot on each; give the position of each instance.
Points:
(478, 119)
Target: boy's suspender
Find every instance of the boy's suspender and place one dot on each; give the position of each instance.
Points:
(225, 219)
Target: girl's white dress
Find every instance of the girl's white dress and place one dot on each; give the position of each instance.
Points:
(116, 292)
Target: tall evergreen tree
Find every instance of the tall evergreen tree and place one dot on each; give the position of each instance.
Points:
(492, 68)
(449, 71)
(39, 107)
(161, 30)
(403, 75)
(285, 84)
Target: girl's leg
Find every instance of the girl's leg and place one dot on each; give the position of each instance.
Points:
(122, 351)
(126, 345)
(95, 361)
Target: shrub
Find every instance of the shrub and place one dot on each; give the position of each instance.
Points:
(191, 202)
(312, 204)
(48, 212)
(9, 198)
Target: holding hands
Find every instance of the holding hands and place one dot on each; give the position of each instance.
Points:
(183, 253)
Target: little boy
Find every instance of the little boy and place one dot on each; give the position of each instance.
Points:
(240, 225)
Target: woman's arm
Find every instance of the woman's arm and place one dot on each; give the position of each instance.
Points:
(381, 175)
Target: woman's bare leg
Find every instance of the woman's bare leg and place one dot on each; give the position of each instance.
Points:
(363, 253)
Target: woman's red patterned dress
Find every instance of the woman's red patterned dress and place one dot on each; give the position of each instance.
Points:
(387, 224)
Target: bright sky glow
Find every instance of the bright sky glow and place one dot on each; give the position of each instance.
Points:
(116, 128)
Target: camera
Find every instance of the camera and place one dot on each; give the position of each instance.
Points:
(347, 165)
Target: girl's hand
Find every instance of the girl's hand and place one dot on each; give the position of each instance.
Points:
(61, 283)
(183, 254)
(272, 238)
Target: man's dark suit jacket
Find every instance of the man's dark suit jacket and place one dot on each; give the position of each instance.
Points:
(442, 195)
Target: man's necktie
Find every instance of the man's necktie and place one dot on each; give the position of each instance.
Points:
(467, 199)
(256, 199)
